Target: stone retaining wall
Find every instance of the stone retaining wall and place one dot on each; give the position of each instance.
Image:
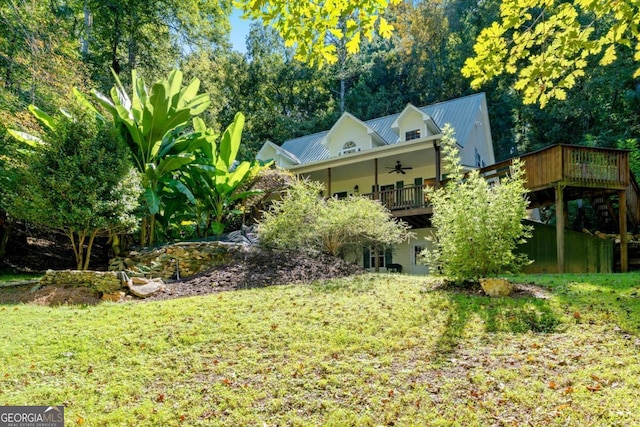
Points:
(101, 281)
(191, 257)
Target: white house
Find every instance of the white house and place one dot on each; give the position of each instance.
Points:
(392, 159)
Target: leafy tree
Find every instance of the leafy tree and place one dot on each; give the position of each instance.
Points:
(149, 36)
(308, 25)
(477, 225)
(39, 58)
(77, 180)
(548, 44)
(303, 220)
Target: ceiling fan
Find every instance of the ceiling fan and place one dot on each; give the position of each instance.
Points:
(398, 168)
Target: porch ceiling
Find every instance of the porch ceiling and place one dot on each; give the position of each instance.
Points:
(363, 166)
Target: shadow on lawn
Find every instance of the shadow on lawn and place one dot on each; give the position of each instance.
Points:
(511, 315)
(596, 298)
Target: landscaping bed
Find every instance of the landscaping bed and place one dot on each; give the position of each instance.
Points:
(256, 268)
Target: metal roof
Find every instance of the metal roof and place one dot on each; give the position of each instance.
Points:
(459, 113)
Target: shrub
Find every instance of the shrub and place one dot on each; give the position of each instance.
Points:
(78, 180)
(305, 221)
(477, 224)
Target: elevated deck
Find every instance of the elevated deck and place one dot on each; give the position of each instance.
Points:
(578, 169)
(560, 173)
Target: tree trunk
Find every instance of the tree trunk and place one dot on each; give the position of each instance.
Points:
(342, 94)
(6, 233)
(88, 23)
(78, 247)
(143, 232)
(87, 255)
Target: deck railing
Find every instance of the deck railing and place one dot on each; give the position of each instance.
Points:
(570, 165)
(411, 197)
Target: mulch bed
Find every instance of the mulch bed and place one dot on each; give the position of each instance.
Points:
(260, 268)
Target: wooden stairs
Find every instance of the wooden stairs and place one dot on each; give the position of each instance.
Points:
(606, 208)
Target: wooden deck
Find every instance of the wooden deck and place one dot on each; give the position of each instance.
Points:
(571, 166)
(560, 173)
(408, 203)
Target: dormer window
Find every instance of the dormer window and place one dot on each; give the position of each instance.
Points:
(349, 147)
(412, 134)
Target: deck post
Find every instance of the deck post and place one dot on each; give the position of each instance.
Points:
(560, 227)
(329, 182)
(622, 212)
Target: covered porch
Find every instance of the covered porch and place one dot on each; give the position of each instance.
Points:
(396, 175)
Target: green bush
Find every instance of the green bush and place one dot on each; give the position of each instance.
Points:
(78, 179)
(305, 221)
(477, 224)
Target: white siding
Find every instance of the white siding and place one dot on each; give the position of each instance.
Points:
(476, 140)
(411, 120)
(348, 130)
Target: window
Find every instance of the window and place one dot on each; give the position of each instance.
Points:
(348, 144)
(417, 258)
(412, 134)
(384, 257)
(349, 147)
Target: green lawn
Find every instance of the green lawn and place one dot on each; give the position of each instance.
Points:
(372, 350)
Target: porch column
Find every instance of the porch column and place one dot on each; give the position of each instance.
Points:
(560, 227)
(624, 258)
(328, 182)
(436, 148)
(375, 179)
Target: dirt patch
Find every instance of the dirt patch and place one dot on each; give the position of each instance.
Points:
(48, 295)
(520, 290)
(261, 268)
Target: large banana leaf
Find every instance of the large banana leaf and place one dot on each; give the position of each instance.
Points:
(85, 103)
(173, 162)
(44, 118)
(230, 144)
(27, 138)
(179, 187)
(152, 200)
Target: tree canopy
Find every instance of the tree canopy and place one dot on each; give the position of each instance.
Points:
(548, 44)
(307, 25)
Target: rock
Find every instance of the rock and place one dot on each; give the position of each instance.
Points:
(145, 287)
(115, 296)
(193, 257)
(139, 281)
(496, 287)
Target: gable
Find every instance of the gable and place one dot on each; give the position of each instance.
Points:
(350, 135)
(281, 157)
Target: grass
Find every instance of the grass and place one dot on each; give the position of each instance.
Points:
(8, 277)
(367, 351)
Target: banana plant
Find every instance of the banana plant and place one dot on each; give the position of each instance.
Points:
(154, 124)
(222, 183)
